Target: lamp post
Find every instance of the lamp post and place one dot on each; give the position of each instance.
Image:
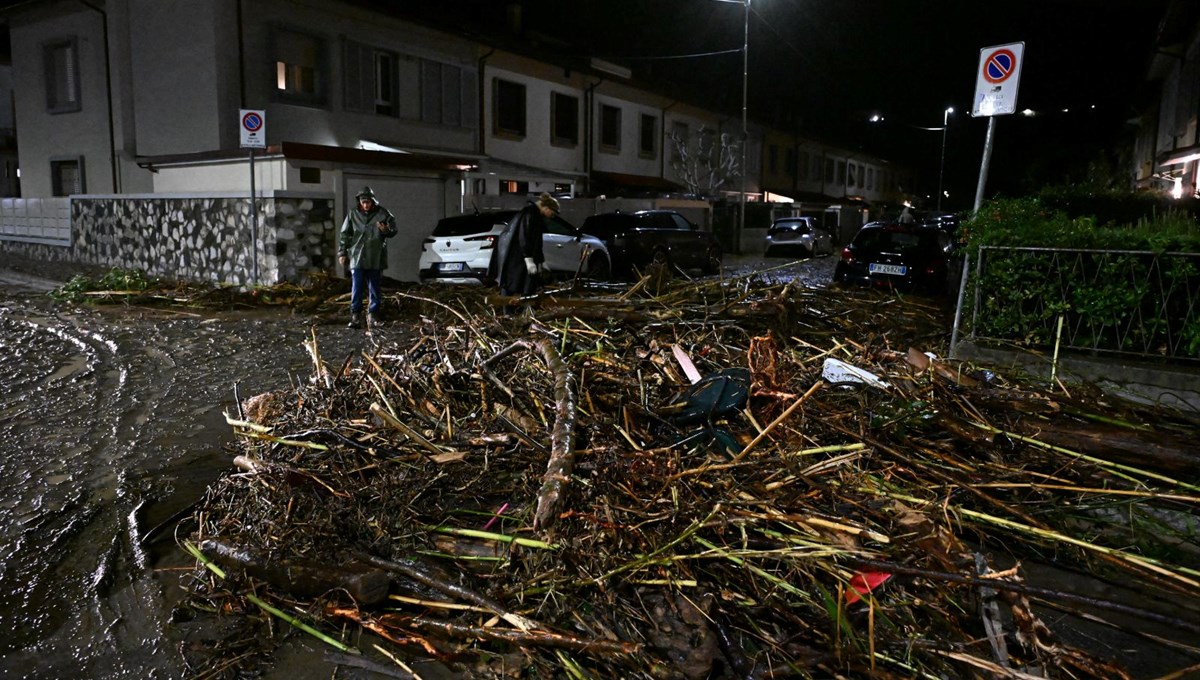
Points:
(737, 246)
(942, 167)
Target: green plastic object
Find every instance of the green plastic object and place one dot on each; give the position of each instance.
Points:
(714, 396)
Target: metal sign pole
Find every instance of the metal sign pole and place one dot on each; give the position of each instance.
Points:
(253, 219)
(987, 159)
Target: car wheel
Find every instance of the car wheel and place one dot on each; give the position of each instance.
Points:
(598, 268)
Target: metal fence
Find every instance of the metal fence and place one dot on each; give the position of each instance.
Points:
(1138, 303)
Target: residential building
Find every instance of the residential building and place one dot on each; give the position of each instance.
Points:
(132, 133)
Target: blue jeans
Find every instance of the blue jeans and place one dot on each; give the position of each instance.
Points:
(369, 279)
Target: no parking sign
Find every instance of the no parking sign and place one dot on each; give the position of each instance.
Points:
(997, 79)
(254, 128)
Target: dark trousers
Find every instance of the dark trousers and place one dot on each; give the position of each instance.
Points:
(365, 280)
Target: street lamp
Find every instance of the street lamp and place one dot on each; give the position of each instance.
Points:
(942, 168)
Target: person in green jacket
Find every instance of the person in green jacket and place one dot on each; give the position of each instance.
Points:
(362, 245)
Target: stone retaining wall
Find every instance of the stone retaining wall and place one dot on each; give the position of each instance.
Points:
(202, 238)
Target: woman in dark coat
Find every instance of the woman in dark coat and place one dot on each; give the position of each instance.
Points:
(518, 262)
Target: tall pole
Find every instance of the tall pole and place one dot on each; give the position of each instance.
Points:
(987, 159)
(737, 246)
(942, 167)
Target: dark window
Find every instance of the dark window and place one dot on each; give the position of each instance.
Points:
(648, 136)
(299, 68)
(509, 186)
(370, 80)
(442, 95)
(773, 159)
(841, 173)
(679, 136)
(850, 177)
(61, 62)
(66, 177)
(791, 162)
(310, 175)
(508, 108)
(870, 178)
(564, 112)
(680, 222)
(610, 128)
(829, 175)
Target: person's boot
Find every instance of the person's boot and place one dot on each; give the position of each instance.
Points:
(355, 320)
(373, 320)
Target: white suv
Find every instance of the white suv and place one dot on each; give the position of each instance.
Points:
(460, 248)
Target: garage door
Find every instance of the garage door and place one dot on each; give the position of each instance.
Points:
(418, 204)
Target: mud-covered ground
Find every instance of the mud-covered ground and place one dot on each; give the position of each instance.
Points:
(112, 424)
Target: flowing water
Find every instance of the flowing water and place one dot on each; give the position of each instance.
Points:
(110, 424)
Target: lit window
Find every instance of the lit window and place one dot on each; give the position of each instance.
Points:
(298, 68)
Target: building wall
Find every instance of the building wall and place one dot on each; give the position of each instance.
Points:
(534, 148)
(198, 238)
(331, 123)
(44, 136)
(179, 109)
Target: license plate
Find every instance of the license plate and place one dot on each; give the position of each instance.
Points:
(893, 269)
(450, 266)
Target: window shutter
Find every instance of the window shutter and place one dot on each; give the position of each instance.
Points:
(451, 95)
(470, 99)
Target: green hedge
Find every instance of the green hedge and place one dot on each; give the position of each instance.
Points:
(1111, 301)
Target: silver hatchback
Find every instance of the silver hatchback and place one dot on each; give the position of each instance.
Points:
(797, 236)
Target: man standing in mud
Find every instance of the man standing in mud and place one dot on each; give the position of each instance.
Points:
(362, 245)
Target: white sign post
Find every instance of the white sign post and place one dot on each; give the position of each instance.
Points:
(997, 79)
(996, 83)
(254, 136)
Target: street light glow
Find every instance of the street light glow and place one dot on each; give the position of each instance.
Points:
(942, 168)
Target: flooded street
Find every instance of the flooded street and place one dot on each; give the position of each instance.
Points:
(112, 423)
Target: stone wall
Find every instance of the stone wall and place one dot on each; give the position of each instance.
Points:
(197, 238)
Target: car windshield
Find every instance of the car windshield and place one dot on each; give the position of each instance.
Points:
(606, 226)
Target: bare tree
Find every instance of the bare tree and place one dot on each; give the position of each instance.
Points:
(706, 161)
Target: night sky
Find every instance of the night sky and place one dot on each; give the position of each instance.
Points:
(823, 67)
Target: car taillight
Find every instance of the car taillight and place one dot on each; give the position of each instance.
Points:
(490, 238)
(847, 255)
(933, 267)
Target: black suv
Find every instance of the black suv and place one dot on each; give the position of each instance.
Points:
(637, 239)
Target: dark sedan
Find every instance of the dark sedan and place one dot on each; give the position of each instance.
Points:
(664, 237)
(892, 255)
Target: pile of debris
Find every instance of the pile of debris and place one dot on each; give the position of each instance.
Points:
(721, 479)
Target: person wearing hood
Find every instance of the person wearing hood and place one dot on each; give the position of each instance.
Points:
(518, 263)
(361, 244)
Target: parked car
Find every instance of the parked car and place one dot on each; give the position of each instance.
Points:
(797, 236)
(460, 248)
(637, 239)
(893, 255)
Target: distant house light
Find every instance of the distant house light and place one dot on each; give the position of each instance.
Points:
(609, 67)
(1177, 190)
(1027, 112)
